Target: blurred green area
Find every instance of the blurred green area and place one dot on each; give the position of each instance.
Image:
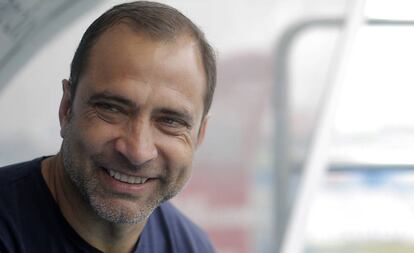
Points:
(364, 247)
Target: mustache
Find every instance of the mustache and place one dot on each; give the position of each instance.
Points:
(118, 162)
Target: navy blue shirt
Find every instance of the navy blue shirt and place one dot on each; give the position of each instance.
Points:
(31, 222)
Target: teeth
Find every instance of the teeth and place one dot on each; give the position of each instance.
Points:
(117, 176)
(127, 179)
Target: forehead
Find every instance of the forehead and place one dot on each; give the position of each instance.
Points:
(120, 45)
(123, 55)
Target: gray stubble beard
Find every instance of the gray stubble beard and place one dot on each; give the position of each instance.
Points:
(88, 190)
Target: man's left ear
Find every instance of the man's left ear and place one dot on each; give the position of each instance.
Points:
(202, 131)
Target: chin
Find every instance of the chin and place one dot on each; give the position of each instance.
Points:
(122, 211)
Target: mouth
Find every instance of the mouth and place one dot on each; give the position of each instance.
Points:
(134, 180)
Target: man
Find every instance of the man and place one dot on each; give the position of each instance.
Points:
(132, 114)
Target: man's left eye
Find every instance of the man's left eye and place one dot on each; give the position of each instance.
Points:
(172, 122)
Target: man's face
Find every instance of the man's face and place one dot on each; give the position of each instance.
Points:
(136, 120)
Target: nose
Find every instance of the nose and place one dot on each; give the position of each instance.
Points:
(137, 144)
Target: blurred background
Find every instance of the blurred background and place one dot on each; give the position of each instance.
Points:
(276, 62)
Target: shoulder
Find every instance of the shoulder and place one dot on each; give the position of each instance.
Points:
(16, 195)
(17, 182)
(14, 172)
(177, 218)
(186, 235)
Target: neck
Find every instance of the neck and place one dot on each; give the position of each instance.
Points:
(101, 234)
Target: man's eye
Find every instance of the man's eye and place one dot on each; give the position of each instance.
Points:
(172, 122)
(109, 112)
(108, 107)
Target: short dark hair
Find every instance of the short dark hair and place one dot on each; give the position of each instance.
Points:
(159, 21)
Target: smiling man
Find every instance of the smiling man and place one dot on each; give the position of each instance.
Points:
(132, 114)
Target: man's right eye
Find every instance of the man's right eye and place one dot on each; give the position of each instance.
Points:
(110, 113)
(108, 107)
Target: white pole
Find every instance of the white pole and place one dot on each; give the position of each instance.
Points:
(317, 162)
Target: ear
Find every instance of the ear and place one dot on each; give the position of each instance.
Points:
(202, 130)
(65, 107)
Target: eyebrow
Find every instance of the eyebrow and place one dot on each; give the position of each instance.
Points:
(109, 96)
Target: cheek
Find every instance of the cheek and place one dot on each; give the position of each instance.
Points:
(93, 136)
(177, 153)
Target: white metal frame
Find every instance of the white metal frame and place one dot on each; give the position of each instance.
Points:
(317, 161)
